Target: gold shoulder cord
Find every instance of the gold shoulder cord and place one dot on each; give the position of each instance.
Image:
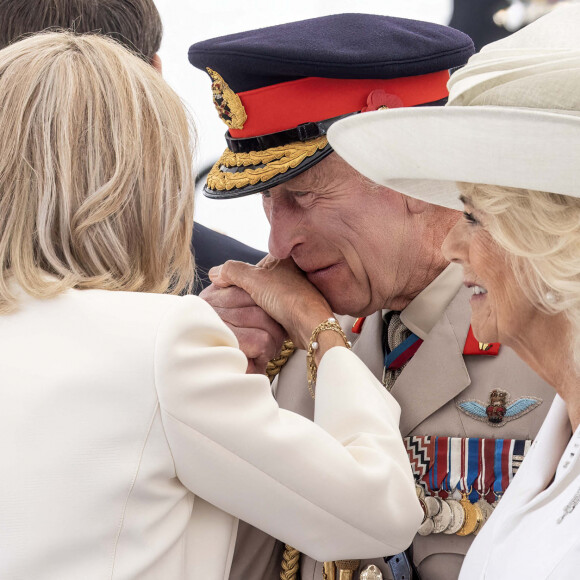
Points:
(291, 556)
(276, 364)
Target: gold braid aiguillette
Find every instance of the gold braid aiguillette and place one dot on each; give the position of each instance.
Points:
(346, 568)
(329, 571)
(291, 556)
(275, 365)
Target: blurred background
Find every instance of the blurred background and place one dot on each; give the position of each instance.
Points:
(189, 21)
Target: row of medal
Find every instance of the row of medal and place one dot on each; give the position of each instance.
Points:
(451, 516)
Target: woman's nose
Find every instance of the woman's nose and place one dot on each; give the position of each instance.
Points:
(456, 244)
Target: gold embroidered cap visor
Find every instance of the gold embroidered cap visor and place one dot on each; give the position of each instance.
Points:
(240, 174)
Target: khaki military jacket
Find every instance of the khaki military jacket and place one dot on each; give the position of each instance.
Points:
(437, 378)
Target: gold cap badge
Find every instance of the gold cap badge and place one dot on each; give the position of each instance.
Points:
(229, 106)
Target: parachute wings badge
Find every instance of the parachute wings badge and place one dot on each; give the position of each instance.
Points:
(498, 410)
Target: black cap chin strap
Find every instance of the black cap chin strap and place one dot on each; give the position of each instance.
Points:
(303, 132)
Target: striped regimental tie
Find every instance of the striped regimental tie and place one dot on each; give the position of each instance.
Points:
(399, 346)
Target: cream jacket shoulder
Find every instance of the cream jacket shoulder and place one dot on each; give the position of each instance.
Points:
(129, 433)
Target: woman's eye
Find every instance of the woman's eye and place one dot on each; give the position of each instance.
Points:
(469, 218)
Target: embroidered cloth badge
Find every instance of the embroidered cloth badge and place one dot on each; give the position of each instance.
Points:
(498, 410)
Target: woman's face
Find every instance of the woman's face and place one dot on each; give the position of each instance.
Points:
(500, 312)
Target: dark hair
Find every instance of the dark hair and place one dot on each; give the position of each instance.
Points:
(134, 23)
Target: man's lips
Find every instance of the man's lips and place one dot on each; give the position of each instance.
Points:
(320, 273)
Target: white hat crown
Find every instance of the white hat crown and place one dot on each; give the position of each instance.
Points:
(513, 120)
(538, 67)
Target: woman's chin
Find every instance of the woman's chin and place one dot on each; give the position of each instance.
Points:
(483, 334)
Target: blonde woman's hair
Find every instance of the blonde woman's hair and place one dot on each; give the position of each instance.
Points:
(96, 185)
(541, 233)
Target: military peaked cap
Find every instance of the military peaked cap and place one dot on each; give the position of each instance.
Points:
(278, 89)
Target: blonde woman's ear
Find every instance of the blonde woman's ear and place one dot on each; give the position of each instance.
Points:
(156, 63)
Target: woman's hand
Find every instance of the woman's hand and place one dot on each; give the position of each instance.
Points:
(259, 336)
(283, 291)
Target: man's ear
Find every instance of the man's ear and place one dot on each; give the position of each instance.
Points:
(417, 205)
(156, 63)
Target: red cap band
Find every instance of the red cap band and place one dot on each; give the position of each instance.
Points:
(286, 105)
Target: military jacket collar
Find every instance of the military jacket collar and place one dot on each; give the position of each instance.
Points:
(425, 310)
(414, 389)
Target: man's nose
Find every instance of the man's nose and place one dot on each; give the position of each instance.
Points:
(284, 230)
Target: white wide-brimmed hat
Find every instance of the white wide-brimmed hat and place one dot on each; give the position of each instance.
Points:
(513, 119)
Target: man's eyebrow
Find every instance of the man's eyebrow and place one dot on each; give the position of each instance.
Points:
(298, 189)
(464, 199)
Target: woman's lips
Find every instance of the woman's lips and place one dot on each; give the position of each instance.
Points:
(479, 292)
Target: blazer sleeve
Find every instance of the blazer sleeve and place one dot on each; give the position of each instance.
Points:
(338, 487)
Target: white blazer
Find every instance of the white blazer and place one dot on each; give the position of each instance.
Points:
(534, 533)
(129, 432)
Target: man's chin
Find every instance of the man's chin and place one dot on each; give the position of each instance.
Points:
(347, 306)
(344, 297)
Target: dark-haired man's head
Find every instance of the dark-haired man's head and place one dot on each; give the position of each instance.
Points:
(134, 23)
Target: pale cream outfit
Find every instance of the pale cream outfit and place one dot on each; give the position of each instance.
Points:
(534, 533)
(129, 432)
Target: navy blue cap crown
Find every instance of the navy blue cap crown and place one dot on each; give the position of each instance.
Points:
(275, 73)
(342, 46)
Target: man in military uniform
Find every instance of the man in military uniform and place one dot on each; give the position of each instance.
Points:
(469, 410)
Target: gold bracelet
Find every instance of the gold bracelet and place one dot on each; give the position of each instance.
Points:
(311, 368)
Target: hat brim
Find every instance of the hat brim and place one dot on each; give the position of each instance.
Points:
(423, 153)
(264, 169)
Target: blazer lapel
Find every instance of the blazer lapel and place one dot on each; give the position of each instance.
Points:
(538, 470)
(440, 354)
